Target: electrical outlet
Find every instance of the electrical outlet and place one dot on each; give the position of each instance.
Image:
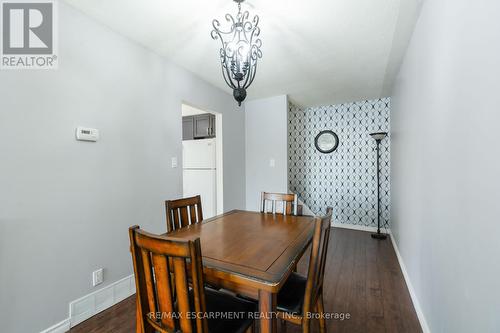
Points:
(272, 162)
(97, 277)
(174, 162)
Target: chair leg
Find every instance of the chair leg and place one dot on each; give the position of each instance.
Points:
(321, 311)
(306, 325)
(251, 329)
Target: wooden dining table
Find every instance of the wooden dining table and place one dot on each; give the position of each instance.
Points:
(251, 254)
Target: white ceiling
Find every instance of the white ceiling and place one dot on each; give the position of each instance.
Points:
(316, 51)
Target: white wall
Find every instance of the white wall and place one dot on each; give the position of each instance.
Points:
(445, 164)
(65, 206)
(266, 139)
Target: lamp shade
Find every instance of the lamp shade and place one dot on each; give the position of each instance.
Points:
(379, 135)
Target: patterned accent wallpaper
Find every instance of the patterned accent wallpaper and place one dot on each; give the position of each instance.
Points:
(345, 179)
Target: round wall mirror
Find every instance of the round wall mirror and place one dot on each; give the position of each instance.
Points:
(326, 141)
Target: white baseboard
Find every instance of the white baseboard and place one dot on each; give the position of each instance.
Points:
(61, 327)
(416, 304)
(359, 227)
(95, 302)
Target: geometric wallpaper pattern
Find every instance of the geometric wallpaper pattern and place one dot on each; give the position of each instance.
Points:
(345, 179)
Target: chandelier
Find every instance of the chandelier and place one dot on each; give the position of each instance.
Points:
(239, 51)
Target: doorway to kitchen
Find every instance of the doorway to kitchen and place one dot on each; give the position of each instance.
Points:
(202, 158)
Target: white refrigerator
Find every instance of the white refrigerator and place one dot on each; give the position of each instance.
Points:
(199, 173)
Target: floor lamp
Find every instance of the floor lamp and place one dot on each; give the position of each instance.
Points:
(379, 136)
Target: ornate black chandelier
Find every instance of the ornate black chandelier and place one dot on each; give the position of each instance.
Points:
(239, 52)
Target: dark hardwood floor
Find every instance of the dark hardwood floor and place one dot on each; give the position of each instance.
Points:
(362, 279)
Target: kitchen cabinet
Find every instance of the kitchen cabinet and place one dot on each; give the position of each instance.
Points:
(199, 126)
(188, 128)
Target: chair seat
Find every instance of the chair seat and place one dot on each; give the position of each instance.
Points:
(220, 303)
(291, 296)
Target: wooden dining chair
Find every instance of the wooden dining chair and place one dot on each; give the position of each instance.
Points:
(288, 201)
(300, 295)
(183, 212)
(193, 308)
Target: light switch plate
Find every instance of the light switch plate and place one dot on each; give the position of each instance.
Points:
(97, 277)
(272, 162)
(174, 162)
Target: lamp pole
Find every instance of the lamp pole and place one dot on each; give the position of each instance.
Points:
(379, 136)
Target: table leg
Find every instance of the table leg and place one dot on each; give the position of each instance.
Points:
(267, 308)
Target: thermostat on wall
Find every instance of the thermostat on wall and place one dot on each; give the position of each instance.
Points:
(87, 134)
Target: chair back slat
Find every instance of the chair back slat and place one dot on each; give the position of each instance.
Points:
(175, 213)
(288, 203)
(192, 213)
(162, 266)
(324, 248)
(198, 286)
(184, 216)
(163, 289)
(317, 261)
(148, 275)
(183, 212)
(181, 287)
